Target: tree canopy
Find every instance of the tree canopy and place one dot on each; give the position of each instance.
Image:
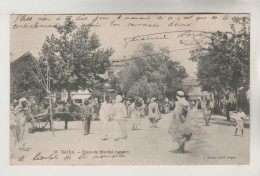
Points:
(150, 73)
(223, 64)
(74, 58)
(22, 83)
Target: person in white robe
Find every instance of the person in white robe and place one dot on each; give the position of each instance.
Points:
(105, 115)
(240, 117)
(119, 116)
(19, 123)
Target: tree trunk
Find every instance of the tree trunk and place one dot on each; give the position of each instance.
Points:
(227, 114)
(218, 103)
(69, 96)
(215, 102)
(237, 99)
(51, 116)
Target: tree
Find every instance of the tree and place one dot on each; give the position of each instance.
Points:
(150, 73)
(223, 64)
(75, 58)
(22, 83)
(142, 88)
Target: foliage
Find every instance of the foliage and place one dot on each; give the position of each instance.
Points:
(22, 83)
(223, 64)
(150, 73)
(75, 58)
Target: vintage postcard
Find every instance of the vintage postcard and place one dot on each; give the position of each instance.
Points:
(129, 89)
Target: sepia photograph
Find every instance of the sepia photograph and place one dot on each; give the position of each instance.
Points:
(129, 89)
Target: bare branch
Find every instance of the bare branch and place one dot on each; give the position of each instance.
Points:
(39, 81)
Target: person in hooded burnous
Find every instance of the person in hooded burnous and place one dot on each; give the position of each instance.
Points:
(180, 125)
(119, 116)
(105, 115)
(154, 113)
(20, 124)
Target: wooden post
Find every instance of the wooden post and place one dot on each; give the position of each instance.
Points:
(51, 116)
(50, 96)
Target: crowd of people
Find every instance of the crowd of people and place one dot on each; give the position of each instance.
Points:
(117, 112)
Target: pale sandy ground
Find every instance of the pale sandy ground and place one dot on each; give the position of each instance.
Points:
(214, 144)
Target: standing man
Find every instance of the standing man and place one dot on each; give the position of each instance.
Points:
(228, 106)
(66, 108)
(87, 114)
(207, 112)
(105, 116)
(95, 107)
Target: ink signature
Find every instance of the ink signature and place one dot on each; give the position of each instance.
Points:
(163, 36)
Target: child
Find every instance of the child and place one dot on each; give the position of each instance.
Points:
(240, 115)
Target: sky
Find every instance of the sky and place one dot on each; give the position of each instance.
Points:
(124, 33)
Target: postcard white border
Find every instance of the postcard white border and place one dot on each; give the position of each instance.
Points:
(8, 7)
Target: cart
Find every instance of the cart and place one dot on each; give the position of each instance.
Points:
(40, 121)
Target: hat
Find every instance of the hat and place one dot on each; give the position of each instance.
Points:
(23, 100)
(118, 98)
(180, 94)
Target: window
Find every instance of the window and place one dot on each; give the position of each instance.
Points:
(78, 100)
